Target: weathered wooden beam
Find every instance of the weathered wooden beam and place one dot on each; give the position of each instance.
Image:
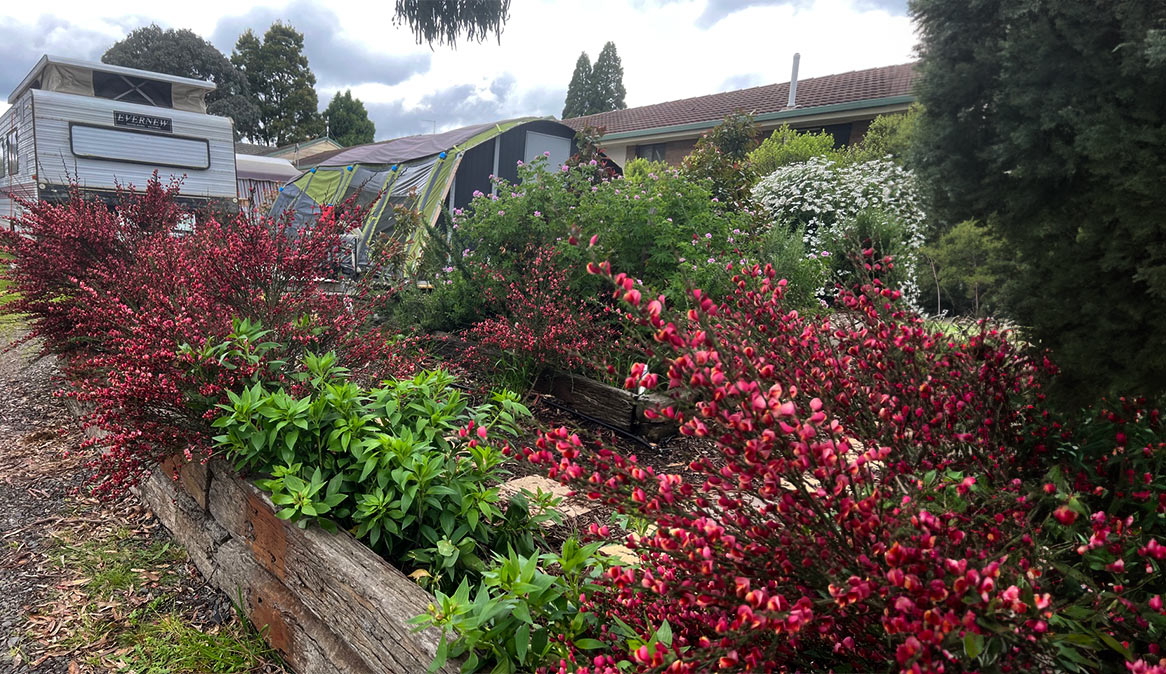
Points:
(357, 593)
(307, 643)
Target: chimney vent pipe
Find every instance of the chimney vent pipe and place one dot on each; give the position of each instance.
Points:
(793, 83)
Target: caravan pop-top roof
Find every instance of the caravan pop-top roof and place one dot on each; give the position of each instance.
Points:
(101, 80)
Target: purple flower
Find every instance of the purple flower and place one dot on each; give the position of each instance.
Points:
(520, 162)
(538, 214)
(501, 212)
(708, 235)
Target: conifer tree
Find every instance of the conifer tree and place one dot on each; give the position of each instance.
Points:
(579, 90)
(279, 77)
(347, 120)
(1045, 119)
(607, 89)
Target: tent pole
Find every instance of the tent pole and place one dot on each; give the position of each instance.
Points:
(497, 156)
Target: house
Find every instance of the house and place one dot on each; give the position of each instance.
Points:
(303, 154)
(842, 105)
(101, 127)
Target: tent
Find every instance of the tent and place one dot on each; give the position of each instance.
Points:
(426, 172)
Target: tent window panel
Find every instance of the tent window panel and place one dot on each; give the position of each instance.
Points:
(558, 147)
(132, 89)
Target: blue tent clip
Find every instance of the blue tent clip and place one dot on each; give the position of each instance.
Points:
(394, 168)
(349, 168)
(442, 155)
(313, 170)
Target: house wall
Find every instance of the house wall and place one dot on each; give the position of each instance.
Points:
(846, 130)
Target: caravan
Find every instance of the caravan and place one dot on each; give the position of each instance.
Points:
(99, 127)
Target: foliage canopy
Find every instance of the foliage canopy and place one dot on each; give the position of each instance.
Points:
(1045, 119)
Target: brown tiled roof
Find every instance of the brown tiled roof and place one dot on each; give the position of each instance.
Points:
(812, 92)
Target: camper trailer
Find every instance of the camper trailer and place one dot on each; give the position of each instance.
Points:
(99, 127)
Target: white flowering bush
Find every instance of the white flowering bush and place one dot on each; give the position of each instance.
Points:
(825, 200)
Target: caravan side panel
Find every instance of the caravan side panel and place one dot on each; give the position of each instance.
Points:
(17, 122)
(77, 140)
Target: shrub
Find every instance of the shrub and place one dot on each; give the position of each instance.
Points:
(720, 159)
(538, 324)
(788, 146)
(874, 497)
(116, 292)
(888, 136)
(826, 200)
(640, 171)
(411, 466)
(659, 228)
(970, 267)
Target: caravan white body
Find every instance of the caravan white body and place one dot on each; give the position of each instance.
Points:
(53, 139)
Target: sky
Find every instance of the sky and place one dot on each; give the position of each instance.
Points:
(670, 49)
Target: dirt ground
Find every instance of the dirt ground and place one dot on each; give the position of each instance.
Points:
(87, 586)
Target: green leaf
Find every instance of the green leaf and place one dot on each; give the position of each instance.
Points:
(522, 641)
(1115, 645)
(589, 644)
(439, 658)
(664, 634)
(973, 645)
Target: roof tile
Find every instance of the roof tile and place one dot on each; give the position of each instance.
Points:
(812, 92)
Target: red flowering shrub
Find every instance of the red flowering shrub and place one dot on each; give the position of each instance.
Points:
(870, 503)
(536, 322)
(134, 308)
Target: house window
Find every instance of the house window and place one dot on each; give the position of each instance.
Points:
(13, 152)
(653, 152)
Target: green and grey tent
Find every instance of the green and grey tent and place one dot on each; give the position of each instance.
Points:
(427, 173)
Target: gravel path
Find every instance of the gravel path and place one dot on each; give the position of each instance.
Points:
(63, 605)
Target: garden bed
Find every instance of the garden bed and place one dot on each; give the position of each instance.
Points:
(324, 601)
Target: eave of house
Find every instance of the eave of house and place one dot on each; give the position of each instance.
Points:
(837, 113)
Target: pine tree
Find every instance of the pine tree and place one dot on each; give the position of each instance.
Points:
(1045, 119)
(607, 90)
(578, 91)
(348, 122)
(279, 77)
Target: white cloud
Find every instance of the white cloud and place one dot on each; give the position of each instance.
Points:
(669, 48)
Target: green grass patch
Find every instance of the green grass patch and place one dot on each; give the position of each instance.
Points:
(120, 562)
(167, 644)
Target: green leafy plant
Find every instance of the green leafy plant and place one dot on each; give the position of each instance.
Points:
(411, 466)
(520, 616)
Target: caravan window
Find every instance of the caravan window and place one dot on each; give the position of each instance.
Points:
(13, 152)
(141, 147)
(3, 157)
